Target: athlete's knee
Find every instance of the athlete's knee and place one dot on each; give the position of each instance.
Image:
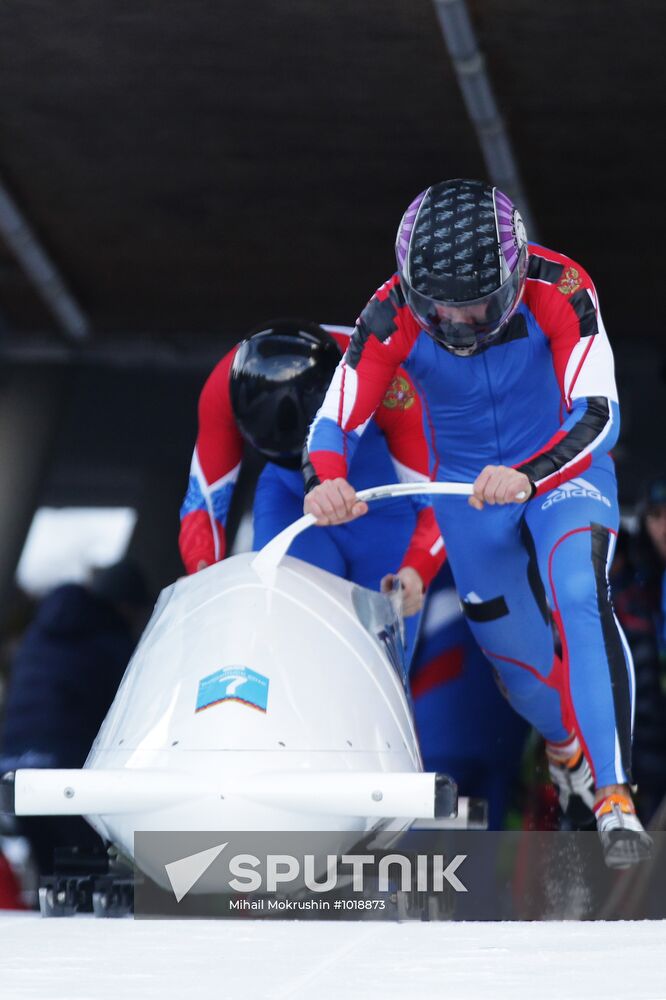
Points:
(572, 573)
(576, 589)
(516, 681)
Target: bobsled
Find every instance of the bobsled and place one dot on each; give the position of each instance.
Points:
(265, 694)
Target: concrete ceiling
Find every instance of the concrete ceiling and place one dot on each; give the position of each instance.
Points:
(199, 167)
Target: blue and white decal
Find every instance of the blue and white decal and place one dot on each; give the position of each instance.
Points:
(233, 684)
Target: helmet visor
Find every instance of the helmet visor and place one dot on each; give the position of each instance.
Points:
(466, 327)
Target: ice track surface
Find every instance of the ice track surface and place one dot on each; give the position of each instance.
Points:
(87, 959)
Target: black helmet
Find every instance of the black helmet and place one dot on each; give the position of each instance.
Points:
(462, 259)
(279, 378)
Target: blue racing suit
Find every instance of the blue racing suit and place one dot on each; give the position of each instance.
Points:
(395, 533)
(358, 551)
(541, 398)
(465, 725)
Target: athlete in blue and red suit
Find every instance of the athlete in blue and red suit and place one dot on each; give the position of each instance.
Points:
(506, 344)
(452, 691)
(265, 391)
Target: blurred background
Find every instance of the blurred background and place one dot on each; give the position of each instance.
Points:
(172, 174)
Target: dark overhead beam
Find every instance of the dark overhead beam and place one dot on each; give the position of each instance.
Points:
(135, 351)
(31, 406)
(470, 67)
(40, 269)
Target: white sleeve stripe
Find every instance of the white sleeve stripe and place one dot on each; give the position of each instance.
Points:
(331, 405)
(349, 394)
(206, 487)
(228, 477)
(408, 475)
(207, 490)
(330, 408)
(341, 391)
(437, 547)
(334, 328)
(590, 370)
(575, 364)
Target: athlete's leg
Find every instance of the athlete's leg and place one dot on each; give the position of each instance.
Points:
(505, 605)
(574, 529)
(466, 728)
(374, 546)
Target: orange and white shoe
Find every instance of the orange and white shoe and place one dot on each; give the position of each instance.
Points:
(573, 779)
(623, 839)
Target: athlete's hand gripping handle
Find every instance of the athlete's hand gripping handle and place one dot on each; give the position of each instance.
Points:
(335, 501)
(500, 484)
(266, 561)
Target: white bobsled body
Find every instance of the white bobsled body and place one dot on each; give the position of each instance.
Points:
(265, 695)
(298, 686)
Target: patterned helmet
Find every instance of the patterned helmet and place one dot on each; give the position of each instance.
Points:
(462, 259)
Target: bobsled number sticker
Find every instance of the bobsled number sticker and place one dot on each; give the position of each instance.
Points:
(233, 684)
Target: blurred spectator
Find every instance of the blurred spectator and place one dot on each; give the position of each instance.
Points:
(64, 675)
(17, 615)
(636, 590)
(650, 555)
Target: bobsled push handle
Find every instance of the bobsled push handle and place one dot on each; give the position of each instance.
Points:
(268, 559)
